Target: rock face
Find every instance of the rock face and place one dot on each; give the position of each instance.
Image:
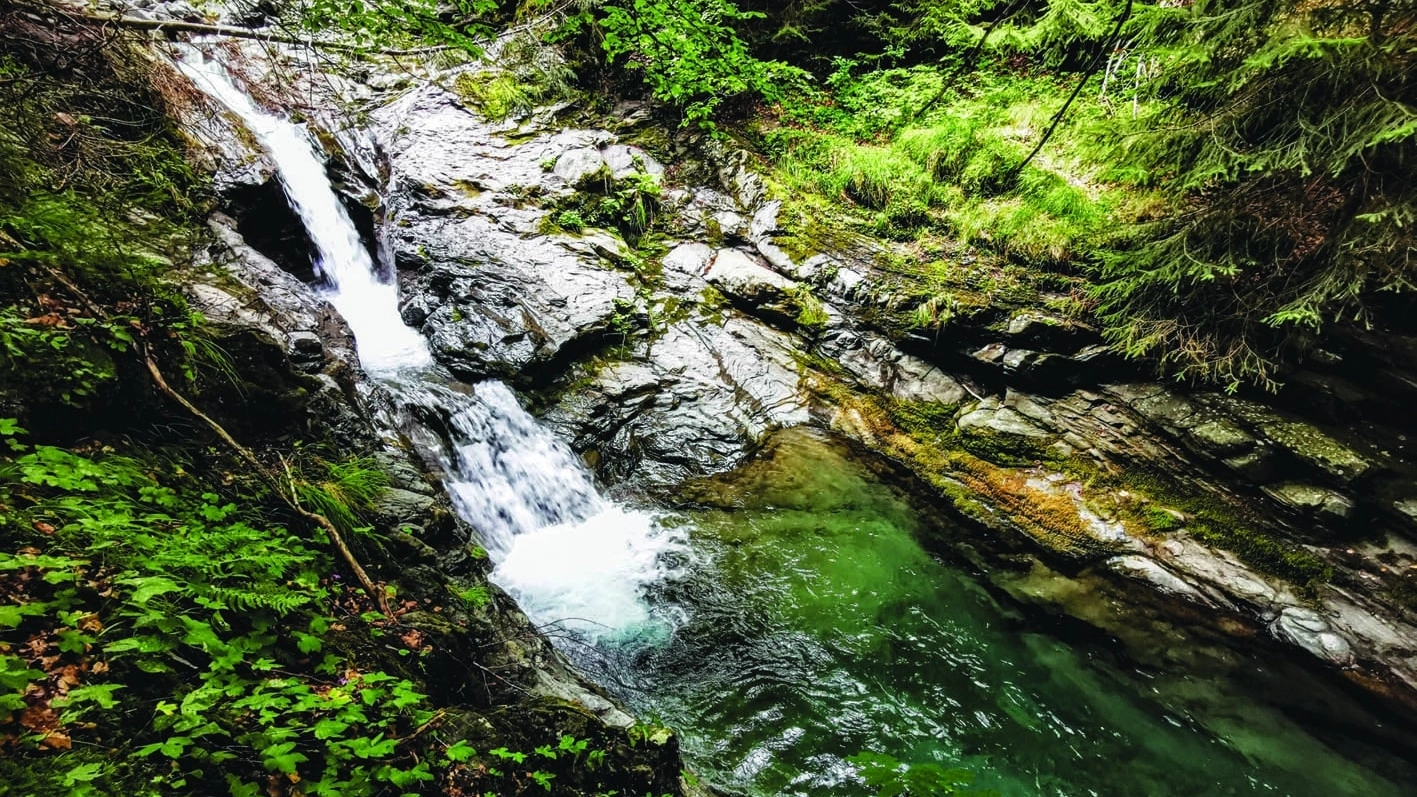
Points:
(664, 366)
(695, 400)
(500, 292)
(495, 294)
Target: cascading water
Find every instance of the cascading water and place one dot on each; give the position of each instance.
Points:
(569, 556)
(370, 306)
(813, 626)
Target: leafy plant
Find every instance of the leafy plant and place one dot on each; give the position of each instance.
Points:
(689, 53)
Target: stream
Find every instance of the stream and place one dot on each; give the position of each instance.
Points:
(785, 617)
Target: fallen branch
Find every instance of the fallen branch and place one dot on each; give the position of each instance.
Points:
(181, 26)
(289, 496)
(1091, 70)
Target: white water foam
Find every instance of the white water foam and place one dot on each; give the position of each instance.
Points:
(386, 344)
(569, 557)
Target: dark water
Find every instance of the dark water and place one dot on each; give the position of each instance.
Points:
(813, 627)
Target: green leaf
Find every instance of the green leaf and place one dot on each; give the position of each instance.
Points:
(460, 751)
(329, 728)
(282, 758)
(149, 587)
(83, 773)
(102, 694)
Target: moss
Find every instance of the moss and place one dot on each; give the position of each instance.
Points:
(1401, 589)
(976, 488)
(811, 315)
(1002, 448)
(1215, 521)
(925, 420)
(1162, 521)
(977, 475)
(1266, 554)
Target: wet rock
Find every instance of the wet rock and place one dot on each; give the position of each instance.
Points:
(517, 309)
(917, 380)
(1307, 629)
(738, 275)
(752, 285)
(1147, 570)
(695, 401)
(398, 507)
(1219, 572)
(1407, 507)
(273, 301)
(1034, 329)
(1000, 434)
(712, 217)
(1316, 449)
(580, 166)
(683, 268)
(988, 417)
(1219, 437)
(1167, 409)
(1311, 500)
(1258, 466)
(624, 161)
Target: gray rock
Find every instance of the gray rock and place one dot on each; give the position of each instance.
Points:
(1311, 500)
(695, 401)
(918, 380)
(1167, 409)
(1147, 570)
(1219, 438)
(398, 507)
(1307, 629)
(991, 419)
(503, 305)
(749, 283)
(624, 160)
(306, 327)
(1257, 466)
(581, 166)
(1317, 449)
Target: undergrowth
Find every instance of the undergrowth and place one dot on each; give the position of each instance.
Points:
(956, 169)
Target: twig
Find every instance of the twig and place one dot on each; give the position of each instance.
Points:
(289, 497)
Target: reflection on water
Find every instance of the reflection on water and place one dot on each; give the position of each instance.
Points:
(813, 626)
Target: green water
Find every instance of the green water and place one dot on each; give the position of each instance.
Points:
(813, 626)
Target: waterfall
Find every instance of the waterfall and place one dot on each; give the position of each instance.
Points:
(385, 343)
(566, 554)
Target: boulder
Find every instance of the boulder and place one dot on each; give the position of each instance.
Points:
(695, 401)
(1306, 628)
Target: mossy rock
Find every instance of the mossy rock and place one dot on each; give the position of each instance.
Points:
(1003, 436)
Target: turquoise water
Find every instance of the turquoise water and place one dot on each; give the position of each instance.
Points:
(812, 626)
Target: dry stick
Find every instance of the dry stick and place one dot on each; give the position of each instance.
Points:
(243, 452)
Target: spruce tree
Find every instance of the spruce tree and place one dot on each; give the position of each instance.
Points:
(1286, 143)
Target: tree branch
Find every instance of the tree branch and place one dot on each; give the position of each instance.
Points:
(1087, 75)
(180, 26)
(289, 497)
